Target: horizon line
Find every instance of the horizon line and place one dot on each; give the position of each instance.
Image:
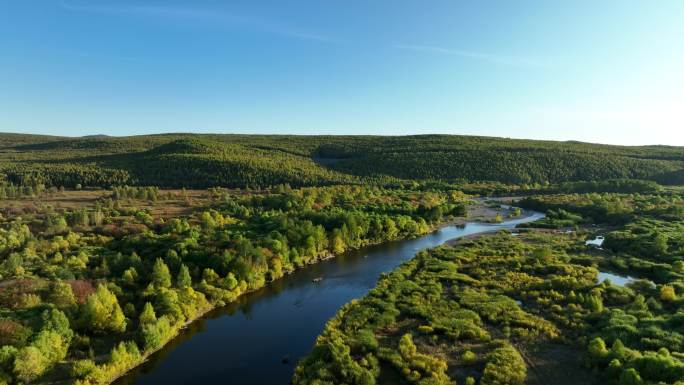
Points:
(340, 135)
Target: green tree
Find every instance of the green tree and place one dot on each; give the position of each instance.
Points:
(618, 350)
(630, 377)
(594, 303)
(543, 254)
(230, 282)
(51, 345)
(155, 334)
(62, 295)
(505, 366)
(161, 277)
(57, 321)
(337, 243)
(183, 279)
(147, 315)
(667, 293)
(469, 357)
(168, 303)
(207, 220)
(29, 364)
(597, 348)
(56, 224)
(7, 355)
(130, 276)
(659, 246)
(102, 312)
(32, 361)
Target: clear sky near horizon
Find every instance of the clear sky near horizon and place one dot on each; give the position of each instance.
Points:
(600, 71)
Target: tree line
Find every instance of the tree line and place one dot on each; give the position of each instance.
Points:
(96, 289)
(202, 161)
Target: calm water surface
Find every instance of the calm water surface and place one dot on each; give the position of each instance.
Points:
(245, 342)
(615, 279)
(621, 280)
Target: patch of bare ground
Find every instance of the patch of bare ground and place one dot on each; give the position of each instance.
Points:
(556, 364)
(389, 375)
(170, 203)
(490, 210)
(458, 369)
(548, 363)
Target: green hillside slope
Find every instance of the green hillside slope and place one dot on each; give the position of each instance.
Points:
(193, 160)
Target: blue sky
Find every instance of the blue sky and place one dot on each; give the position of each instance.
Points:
(600, 71)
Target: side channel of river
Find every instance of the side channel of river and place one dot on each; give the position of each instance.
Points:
(247, 341)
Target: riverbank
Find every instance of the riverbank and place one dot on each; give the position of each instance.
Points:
(216, 307)
(282, 319)
(489, 210)
(108, 372)
(441, 327)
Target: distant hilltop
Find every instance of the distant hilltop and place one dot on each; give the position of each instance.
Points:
(231, 160)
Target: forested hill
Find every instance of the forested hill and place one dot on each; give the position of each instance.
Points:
(193, 160)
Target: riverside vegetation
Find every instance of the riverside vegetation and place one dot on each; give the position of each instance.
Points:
(486, 311)
(88, 292)
(98, 270)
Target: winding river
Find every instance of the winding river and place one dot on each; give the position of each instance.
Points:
(260, 338)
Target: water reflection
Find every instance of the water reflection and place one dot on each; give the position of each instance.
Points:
(597, 242)
(615, 279)
(622, 280)
(245, 342)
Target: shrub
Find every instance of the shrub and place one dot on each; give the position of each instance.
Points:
(504, 366)
(469, 357)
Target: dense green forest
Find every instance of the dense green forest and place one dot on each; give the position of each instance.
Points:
(525, 308)
(88, 291)
(200, 161)
(98, 270)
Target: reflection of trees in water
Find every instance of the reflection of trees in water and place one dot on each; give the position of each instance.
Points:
(158, 357)
(304, 277)
(362, 265)
(245, 303)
